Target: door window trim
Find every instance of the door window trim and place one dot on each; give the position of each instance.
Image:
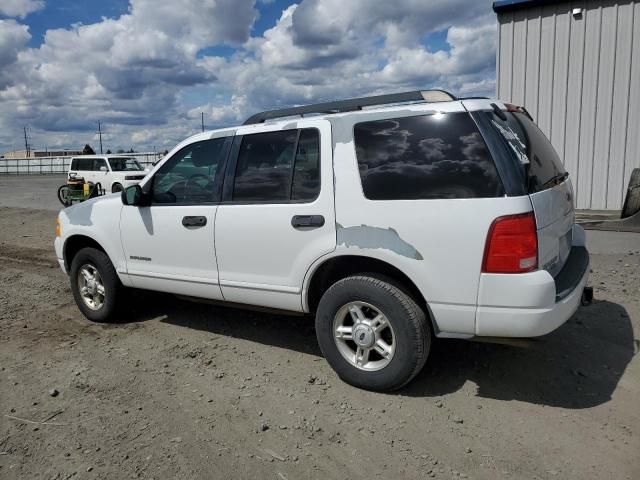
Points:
(232, 165)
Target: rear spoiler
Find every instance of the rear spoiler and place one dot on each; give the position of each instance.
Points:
(510, 108)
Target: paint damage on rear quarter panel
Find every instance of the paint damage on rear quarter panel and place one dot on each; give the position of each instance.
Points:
(365, 236)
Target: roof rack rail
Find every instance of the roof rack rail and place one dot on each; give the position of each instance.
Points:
(428, 96)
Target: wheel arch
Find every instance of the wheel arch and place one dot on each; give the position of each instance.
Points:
(74, 244)
(334, 268)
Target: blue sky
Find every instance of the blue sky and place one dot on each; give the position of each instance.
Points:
(147, 69)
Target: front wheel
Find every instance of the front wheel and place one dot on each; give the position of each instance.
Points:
(95, 284)
(116, 187)
(373, 334)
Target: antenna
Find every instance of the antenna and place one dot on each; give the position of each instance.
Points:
(202, 120)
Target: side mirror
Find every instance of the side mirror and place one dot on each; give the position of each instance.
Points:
(103, 168)
(134, 196)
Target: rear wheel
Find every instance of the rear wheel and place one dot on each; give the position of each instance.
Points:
(374, 335)
(95, 284)
(116, 187)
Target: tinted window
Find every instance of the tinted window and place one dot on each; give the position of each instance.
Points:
(534, 155)
(191, 175)
(425, 157)
(264, 166)
(84, 164)
(306, 170)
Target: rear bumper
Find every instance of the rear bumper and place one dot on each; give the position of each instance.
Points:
(531, 304)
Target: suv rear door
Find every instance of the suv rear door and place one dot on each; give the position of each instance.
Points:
(536, 164)
(277, 214)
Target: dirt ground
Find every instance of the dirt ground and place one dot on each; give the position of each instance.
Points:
(186, 390)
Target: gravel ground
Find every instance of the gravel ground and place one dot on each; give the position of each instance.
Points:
(186, 390)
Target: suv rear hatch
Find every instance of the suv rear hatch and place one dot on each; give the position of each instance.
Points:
(539, 171)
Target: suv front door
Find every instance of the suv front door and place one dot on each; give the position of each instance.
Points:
(277, 215)
(169, 245)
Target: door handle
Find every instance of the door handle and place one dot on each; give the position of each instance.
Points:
(194, 221)
(309, 221)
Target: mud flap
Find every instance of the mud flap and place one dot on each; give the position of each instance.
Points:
(587, 296)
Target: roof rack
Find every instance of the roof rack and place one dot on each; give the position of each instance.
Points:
(426, 96)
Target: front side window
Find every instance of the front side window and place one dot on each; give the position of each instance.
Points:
(191, 176)
(278, 166)
(98, 163)
(125, 165)
(425, 157)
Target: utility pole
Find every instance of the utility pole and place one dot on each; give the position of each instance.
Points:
(26, 143)
(100, 134)
(202, 120)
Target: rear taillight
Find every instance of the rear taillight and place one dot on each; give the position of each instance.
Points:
(512, 245)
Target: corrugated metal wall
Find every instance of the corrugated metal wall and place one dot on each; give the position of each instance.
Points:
(579, 77)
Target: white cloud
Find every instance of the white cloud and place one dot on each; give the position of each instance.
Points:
(20, 8)
(138, 73)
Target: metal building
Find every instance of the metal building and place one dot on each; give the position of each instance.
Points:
(575, 66)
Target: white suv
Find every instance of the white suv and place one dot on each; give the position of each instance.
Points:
(109, 172)
(393, 219)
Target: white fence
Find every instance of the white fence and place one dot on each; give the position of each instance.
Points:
(49, 165)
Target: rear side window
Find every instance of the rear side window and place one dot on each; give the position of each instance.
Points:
(306, 170)
(534, 156)
(278, 166)
(425, 157)
(82, 164)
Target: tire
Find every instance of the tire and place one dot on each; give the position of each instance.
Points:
(63, 193)
(116, 187)
(88, 259)
(410, 332)
(632, 198)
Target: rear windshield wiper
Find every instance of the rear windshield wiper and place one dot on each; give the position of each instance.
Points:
(556, 179)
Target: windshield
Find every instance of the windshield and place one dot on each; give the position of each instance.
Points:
(124, 164)
(536, 158)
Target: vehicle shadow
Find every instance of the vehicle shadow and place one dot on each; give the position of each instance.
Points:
(291, 332)
(577, 366)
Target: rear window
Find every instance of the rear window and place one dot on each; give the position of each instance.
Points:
(535, 157)
(425, 157)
